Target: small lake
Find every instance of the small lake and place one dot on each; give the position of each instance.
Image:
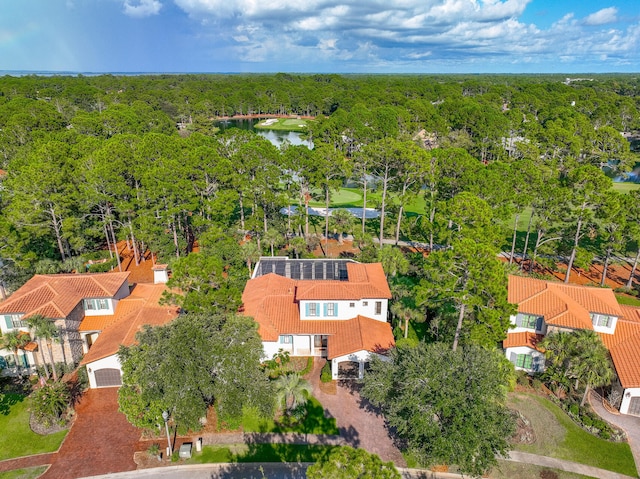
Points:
(276, 137)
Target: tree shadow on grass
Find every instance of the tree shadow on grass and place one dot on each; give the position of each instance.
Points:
(7, 401)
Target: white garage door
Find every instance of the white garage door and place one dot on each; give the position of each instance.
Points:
(634, 406)
(108, 377)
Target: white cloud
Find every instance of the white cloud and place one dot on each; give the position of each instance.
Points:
(602, 17)
(142, 8)
(409, 32)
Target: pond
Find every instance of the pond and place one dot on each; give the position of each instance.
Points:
(276, 137)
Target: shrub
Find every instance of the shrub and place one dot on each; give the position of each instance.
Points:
(536, 384)
(175, 457)
(586, 421)
(153, 449)
(83, 378)
(325, 374)
(307, 369)
(50, 402)
(102, 267)
(522, 378)
(574, 409)
(624, 290)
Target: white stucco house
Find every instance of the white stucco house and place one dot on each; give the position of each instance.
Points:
(141, 308)
(93, 313)
(331, 308)
(64, 299)
(548, 306)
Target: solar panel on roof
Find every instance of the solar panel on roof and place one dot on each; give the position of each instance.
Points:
(330, 269)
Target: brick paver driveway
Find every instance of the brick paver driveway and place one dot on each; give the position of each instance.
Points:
(359, 423)
(101, 440)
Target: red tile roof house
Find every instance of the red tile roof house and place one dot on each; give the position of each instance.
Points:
(547, 306)
(331, 308)
(84, 308)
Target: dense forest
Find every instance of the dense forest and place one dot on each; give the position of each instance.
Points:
(522, 164)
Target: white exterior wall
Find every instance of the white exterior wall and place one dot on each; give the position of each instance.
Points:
(5, 329)
(270, 349)
(11, 371)
(359, 356)
(603, 329)
(518, 329)
(626, 400)
(85, 344)
(108, 362)
(101, 312)
(525, 350)
(362, 307)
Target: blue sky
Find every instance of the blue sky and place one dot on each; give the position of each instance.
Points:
(378, 36)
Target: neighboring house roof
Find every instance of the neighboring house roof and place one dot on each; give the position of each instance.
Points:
(56, 295)
(273, 302)
(134, 312)
(569, 306)
(560, 304)
(524, 338)
(624, 346)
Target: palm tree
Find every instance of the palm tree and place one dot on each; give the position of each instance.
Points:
(342, 221)
(292, 391)
(15, 340)
(45, 329)
(35, 323)
(580, 356)
(592, 364)
(406, 310)
(273, 238)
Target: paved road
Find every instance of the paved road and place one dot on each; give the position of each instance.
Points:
(629, 424)
(568, 466)
(248, 471)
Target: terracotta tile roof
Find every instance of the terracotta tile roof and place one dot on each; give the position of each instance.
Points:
(56, 295)
(525, 338)
(360, 334)
(560, 304)
(569, 306)
(272, 301)
(624, 346)
(365, 281)
(31, 347)
(134, 312)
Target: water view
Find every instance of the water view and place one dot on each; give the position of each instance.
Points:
(276, 137)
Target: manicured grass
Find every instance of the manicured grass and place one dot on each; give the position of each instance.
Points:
(626, 187)
(17, 438)
(558, 436)
(284, 124)
(28, 473)
(509, 470)
(628, 300)
(259, 453)
(314, 423)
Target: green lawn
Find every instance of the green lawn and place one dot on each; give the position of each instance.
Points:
(558, 436)
(259, 453)
(626, 187)
(28, 473)
(314, 423)
(17, 438)
(628, 300)
(284, 124)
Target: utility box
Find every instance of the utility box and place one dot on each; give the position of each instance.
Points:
(185, 450)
